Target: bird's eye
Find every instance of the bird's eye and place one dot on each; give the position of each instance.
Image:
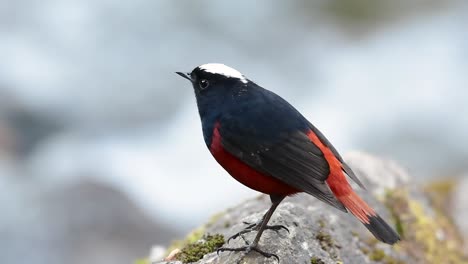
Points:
(204, 84)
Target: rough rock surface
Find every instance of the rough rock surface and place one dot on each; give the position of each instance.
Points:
(322, 234)
(460, 207)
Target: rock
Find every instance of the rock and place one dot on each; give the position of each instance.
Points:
(315, 231)
(377, 174)
(319, 233)
(158, 252)
(460, 207)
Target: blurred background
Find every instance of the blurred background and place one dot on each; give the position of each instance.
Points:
(101, 151)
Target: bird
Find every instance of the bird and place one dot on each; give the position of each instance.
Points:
(266, 144)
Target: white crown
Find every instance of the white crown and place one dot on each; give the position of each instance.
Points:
(218, 68)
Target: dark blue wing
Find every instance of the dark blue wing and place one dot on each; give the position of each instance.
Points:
(271, 137)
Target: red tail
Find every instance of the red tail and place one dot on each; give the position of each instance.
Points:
(344, 193)
(340, 187)
(357, 207)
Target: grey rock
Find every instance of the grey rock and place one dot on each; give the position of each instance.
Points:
(316, 230)
(377, 174)
(320, 232)
(307, 220)
(460, 207)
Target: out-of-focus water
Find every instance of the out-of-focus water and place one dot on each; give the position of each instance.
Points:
(88, 91)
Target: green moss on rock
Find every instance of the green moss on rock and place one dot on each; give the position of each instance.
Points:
(192, 237)
(391, 260)
(328, 244)
(316, 260)
(326, 241)
(321, 223)
(428, 236)
(195, 234)
(364, 250)
(195, 251)
(377, 255)
(440, 193)
(142, 261)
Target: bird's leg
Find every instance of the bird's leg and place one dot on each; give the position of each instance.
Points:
(260, 227)
(255, 227)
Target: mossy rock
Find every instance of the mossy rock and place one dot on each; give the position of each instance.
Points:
(316, 260)
(195, 251)
(428, 234)
(195, 234)
(321, 234)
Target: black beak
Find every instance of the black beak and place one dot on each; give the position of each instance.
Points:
(185, 75)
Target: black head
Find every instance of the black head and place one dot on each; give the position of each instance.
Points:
(216, 87)
(214, 76)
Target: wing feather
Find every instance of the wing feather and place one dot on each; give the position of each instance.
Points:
(292, 158)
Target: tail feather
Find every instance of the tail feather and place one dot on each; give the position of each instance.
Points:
(381, 230)
(371, 220)
(344, 193)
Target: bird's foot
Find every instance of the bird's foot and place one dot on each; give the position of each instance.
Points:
(255, 227)
(247, 249)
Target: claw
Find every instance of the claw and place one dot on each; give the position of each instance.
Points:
(250, 225)
(238, 234)
(277, 228)
(266, 254)
(248, 249)
(254, 227)
(245, 240)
